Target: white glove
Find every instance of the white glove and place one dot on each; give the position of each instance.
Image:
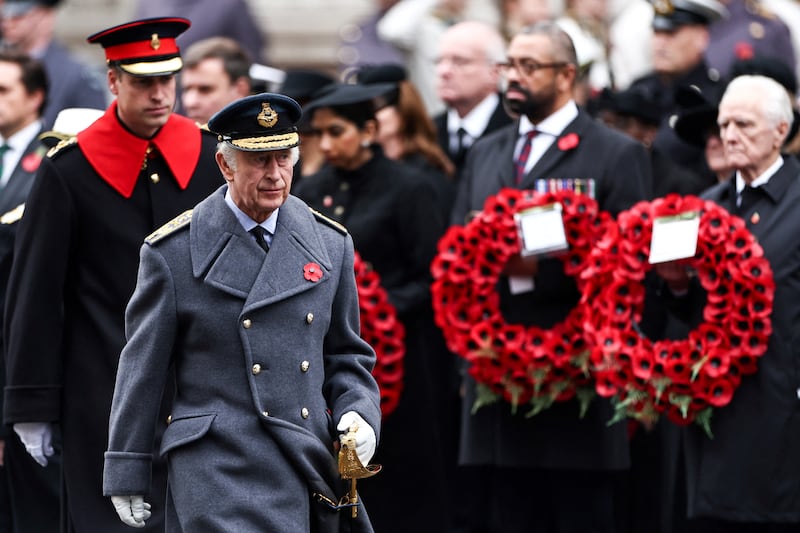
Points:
(37, 438)
(132, 510)
(365, 435)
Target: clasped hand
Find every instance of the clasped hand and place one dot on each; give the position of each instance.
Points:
(365, 435)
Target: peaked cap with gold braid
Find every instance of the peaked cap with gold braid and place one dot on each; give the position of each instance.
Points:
(258, 123)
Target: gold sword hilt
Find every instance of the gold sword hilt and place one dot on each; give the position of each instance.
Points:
(350, 466)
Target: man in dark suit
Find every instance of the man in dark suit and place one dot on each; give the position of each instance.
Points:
(29, 26)
(745, 479)
(33, 492)
(261, 322)
(93, 201)
(467, 82)
(553, 472)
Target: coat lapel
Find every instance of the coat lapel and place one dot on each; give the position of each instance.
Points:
(554, 155)
(227, 258)
(21, 178)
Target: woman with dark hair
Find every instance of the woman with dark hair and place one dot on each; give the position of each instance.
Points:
(392, 213)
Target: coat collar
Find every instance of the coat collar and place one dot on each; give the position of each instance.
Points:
(121, 161)
(226, 257)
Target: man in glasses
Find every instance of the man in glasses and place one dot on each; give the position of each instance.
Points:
(556, 471)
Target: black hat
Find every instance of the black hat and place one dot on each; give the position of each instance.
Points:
(374, 96)
(16, 8)
(671, 14)
(144, 47)
(698, 115)
(636, 101)
(382, 73)
(259, 123)
(301, 84)
(771, 67)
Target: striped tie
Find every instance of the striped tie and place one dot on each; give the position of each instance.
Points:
(522, 160)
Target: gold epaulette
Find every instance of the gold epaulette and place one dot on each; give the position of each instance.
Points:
(61, 145)
(170, 227)
(329, 222)
(13, 216)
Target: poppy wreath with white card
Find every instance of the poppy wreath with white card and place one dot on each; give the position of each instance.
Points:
(686, 378)
(528, 367)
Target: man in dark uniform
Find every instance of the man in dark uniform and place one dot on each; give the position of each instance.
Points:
(260, 317)
(553, 472)
(94, 200)
(680, 38)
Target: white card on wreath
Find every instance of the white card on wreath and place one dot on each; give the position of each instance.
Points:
(674, 237)
(541, 230)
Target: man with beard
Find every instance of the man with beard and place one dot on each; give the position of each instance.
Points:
(544, 468)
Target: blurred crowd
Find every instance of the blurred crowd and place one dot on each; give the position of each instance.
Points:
(436, 105)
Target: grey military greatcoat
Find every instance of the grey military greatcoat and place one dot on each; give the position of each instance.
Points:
(267, 358)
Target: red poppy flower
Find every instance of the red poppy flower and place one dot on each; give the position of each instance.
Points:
(312, 272)
(743, 50)
(568, 142)
(31, 162)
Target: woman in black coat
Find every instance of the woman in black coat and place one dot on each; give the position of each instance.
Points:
(393, 215)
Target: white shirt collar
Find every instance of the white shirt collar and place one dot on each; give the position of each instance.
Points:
(248, 223)
(760, 180)
(17, 144)
(476, 121)
(552, 125)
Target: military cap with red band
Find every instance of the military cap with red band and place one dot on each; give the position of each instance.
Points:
(144, 47)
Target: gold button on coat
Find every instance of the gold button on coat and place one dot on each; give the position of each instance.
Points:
(304, 366)
(155, 178)
(338, 210)
(256, 369)
(247, 323)
(309, 318)
(304, 412)
(169, 420)
(265, 413)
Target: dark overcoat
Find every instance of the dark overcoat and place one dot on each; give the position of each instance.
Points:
(33, 491)
(266, 362)
(749, 470)
(75, 264)
(555, 438)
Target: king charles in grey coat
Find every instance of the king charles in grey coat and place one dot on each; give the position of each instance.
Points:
(267, 358)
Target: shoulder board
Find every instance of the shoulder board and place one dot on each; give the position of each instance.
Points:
(170, 227)
(61, 146)
(13, 216)
(329, 222)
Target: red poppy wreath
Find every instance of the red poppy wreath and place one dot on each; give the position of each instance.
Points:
(685, 378)
(522, 365)
(383, 331)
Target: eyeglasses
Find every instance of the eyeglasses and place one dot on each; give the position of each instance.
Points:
(527, 66)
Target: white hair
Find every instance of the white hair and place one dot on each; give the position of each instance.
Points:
(228, 152)
(774, 99)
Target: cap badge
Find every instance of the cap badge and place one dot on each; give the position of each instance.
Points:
(663, 7)
(155, 42)
(268, 116)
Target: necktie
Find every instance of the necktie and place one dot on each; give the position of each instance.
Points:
(522, 159)
(3, 149)
(747, 198)
(461, 148)
(258, 232)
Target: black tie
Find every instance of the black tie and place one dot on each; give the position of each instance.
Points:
(258, 232)
(747, 198)
(461, 148)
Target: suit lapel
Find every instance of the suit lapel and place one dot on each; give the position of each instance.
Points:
(21, 179)
(554, 155)
(505, 153)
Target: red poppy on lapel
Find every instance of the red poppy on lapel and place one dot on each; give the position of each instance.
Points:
(31, 162)
(312, 272)
(743, 50)
(568, 142)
